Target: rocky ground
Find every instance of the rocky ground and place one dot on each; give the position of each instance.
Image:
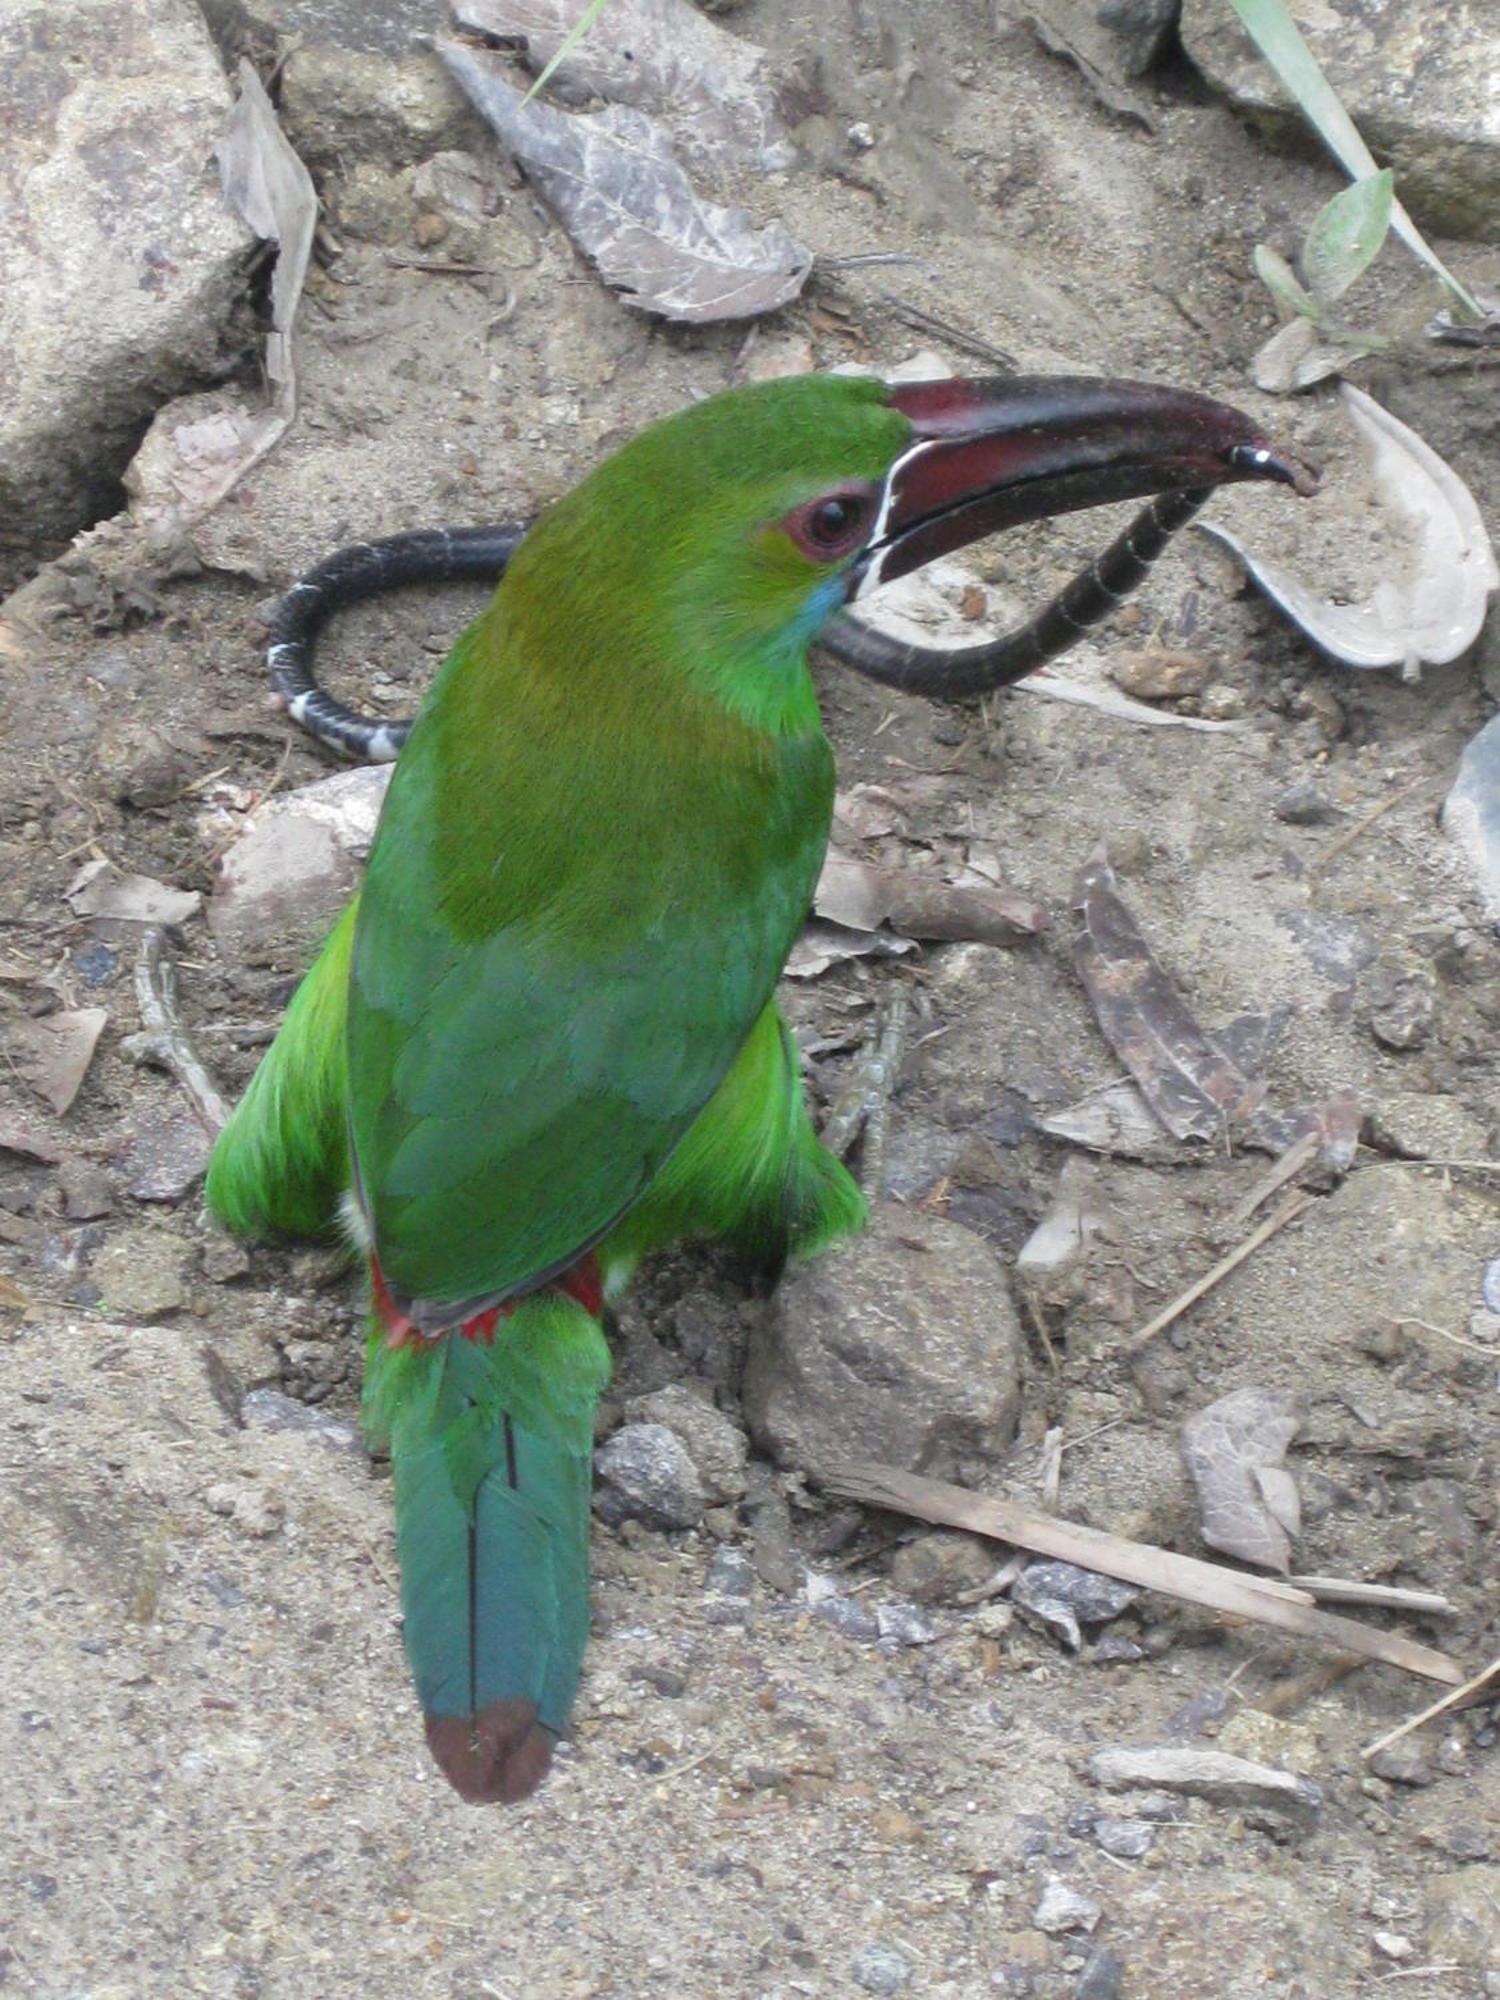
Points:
(812, 1755)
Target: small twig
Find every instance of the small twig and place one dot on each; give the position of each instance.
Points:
(1298, 1155)
(1361, 827)
(163, 1039)
(1185, 1577)
(1289, 1210)
(960, 336)
(1290, 1695)
(439, 267)
(1459, 1697)
(1051, 1479)
(864, 1103)
(1454, 1339)
(1342, 1590)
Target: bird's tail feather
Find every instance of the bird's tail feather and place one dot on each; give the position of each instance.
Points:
(492, 1450)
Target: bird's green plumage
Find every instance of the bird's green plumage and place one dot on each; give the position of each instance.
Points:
(549, 1026)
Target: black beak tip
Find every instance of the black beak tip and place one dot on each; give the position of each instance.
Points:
(1260, 461)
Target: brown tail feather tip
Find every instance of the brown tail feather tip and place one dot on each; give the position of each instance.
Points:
(493, 1758)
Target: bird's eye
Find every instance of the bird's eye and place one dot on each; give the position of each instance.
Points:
(830, 520)
(833, 525)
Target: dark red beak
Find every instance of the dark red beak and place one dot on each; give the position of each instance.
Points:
(990, 453)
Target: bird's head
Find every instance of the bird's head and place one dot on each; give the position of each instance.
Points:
(727, 534)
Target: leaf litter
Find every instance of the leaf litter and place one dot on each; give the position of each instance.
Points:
(617, 187)
(1428, 602)
(1235, 1451)
(710, 88)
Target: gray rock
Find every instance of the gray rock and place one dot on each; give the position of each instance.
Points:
(1121, 39)
(344, 106)
(122, 262)
(1430, 111)
(1471, 812)
(903, 1347)
(1102, 1978)
(647, 1476)
(166, 1156)
(269, 1410)
(936, 1568)
(711, 1441)
(137, 1275)
(1401, 995)
(903, 1624)
(283, 882)
(730, 1574)
(849, 1615)
(85, 1189)
(1403, 1763)
(1064, 1597)
(1304, 804)
(1062, 1909)
(1125, 1839)
(880, 1968)
(1209, 1774)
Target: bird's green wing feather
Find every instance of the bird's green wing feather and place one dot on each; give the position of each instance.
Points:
(550, 985)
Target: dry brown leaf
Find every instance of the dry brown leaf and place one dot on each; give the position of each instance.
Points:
(1189, 1084)
(663, 56)
(200, 447)
(54, 1052)
(628, 205)
(864, 897)
(1234, 1451)
(99, 890)
(1425, 611)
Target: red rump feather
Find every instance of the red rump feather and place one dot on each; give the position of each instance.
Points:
(583, 1281)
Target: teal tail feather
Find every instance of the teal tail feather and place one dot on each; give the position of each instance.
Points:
(281, 1163)
(492, 1447)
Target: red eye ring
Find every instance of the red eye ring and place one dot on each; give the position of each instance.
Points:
(833, 525)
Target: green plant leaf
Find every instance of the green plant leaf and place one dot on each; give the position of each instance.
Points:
(1346, 236)
(1280, 41)
(574, 36)
(1280, 280)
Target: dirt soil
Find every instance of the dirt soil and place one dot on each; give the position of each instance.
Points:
(213, 1774)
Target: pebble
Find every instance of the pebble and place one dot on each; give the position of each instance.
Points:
(1125, 1839)
(1102, 1978)
(730, 1574)
(1305, 804)
(1063, 1597)
(902, 1624)
(85, 1189)
(166, 1156)
(1403, 1763)
(903, 1346)
(1156, 673)
(1391, 1944)
(270, 1410)
(1208, 1774)
(223, 1257)
(1402, 998)
(136, 1272)
(1062, 1909)
(936, 1568)
(845, 1614)
(646, 1475)
(249, 1507)
(880, 1968)
(715, 1445)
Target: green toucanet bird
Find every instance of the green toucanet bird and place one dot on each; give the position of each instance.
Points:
(542, 1041)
